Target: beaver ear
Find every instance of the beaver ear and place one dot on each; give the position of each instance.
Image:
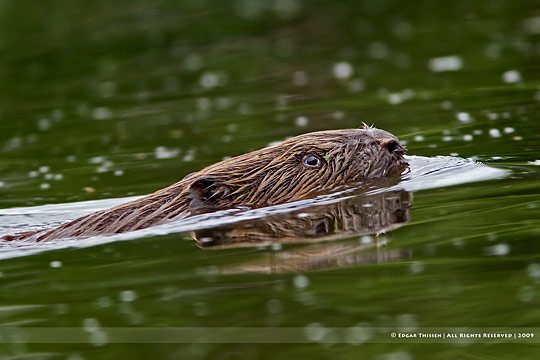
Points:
(204, 194)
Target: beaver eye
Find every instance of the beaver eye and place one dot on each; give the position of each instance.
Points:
(312, 161)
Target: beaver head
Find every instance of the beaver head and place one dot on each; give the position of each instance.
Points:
(297, 168)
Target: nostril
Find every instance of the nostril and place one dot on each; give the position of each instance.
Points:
(392, 146)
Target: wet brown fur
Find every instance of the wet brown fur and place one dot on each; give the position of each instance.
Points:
(269, 176)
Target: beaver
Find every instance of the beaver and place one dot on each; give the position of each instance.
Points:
(295, 169)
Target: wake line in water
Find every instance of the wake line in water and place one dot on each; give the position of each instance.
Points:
(425, 173)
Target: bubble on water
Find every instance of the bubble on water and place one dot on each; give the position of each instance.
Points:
(342, 70)
(71, 158)
(274, 306)
(300, 78)
(315, 332)
(211, 79)
(517, 138)
(55, 264)
(526, 293)
(533, 270)
(301, 121)
(359, 334)
(377, 50)
(33, 173)
(98, 338)
(101, 113)
(394, 98)
(494, 133)
(189, 155)
(455, 154)
(118, 172)
(89, 189)
(193, 62)
(90, 325)
(492, 116)
(338, 115)
(44, 186)
(446, 63)
(58, 177)
(366, 240)
(44, 124)
(501, 249)
(163, 152)
(48, 176)
(467, 137)
(127, 296)
(478, 132)
(356, 85)
(511, 76)
(447, 138)
(535, 162)
(43, 169)
(508, 130)
(464, 117)
(532, 25)
(301, 281)
(2, 184)
(416, 267)
(104, 302)
(419, 138)
(447, 105)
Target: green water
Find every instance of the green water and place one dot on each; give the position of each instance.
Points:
(105, 99)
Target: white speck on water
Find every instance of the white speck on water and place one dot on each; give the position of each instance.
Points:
(276, 247)
(508, 130)
(43, 169)
(193, 62)
(366, 240)
(301, 281)
(300, 78)
(342, 70)
(55, 264)
(301, 121)
(163, 152)
(118, 172)
(127, 296)
(446, 63)
(455, 154)
(478, 132)
(44, 124)
(210, 80)
(377, 50)
(419, 138)
(359, 334)
(33, 174)
(517, 138)
(189, 155)
(533, 270)
(356, 85)
(90, 325)
(501, 249)
(492, 116)
(532, 25)
(71, 158)
(394, 98)
(98, 338)
(338, 115)
(496, 158)
(101, 113)
(467, 137)
(464, 117)
(447, 138)
(535, 162)
(416, 267)
(447, 105)
(2, 184)
(274, 306)
(315, 332)
(511, 76)
(494, 133)
(58, 177)
(44, 186)
(104, 302)
(96, 160)
(48, 176)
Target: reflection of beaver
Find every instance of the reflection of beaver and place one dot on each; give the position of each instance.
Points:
(294, 169)
(357, 214)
